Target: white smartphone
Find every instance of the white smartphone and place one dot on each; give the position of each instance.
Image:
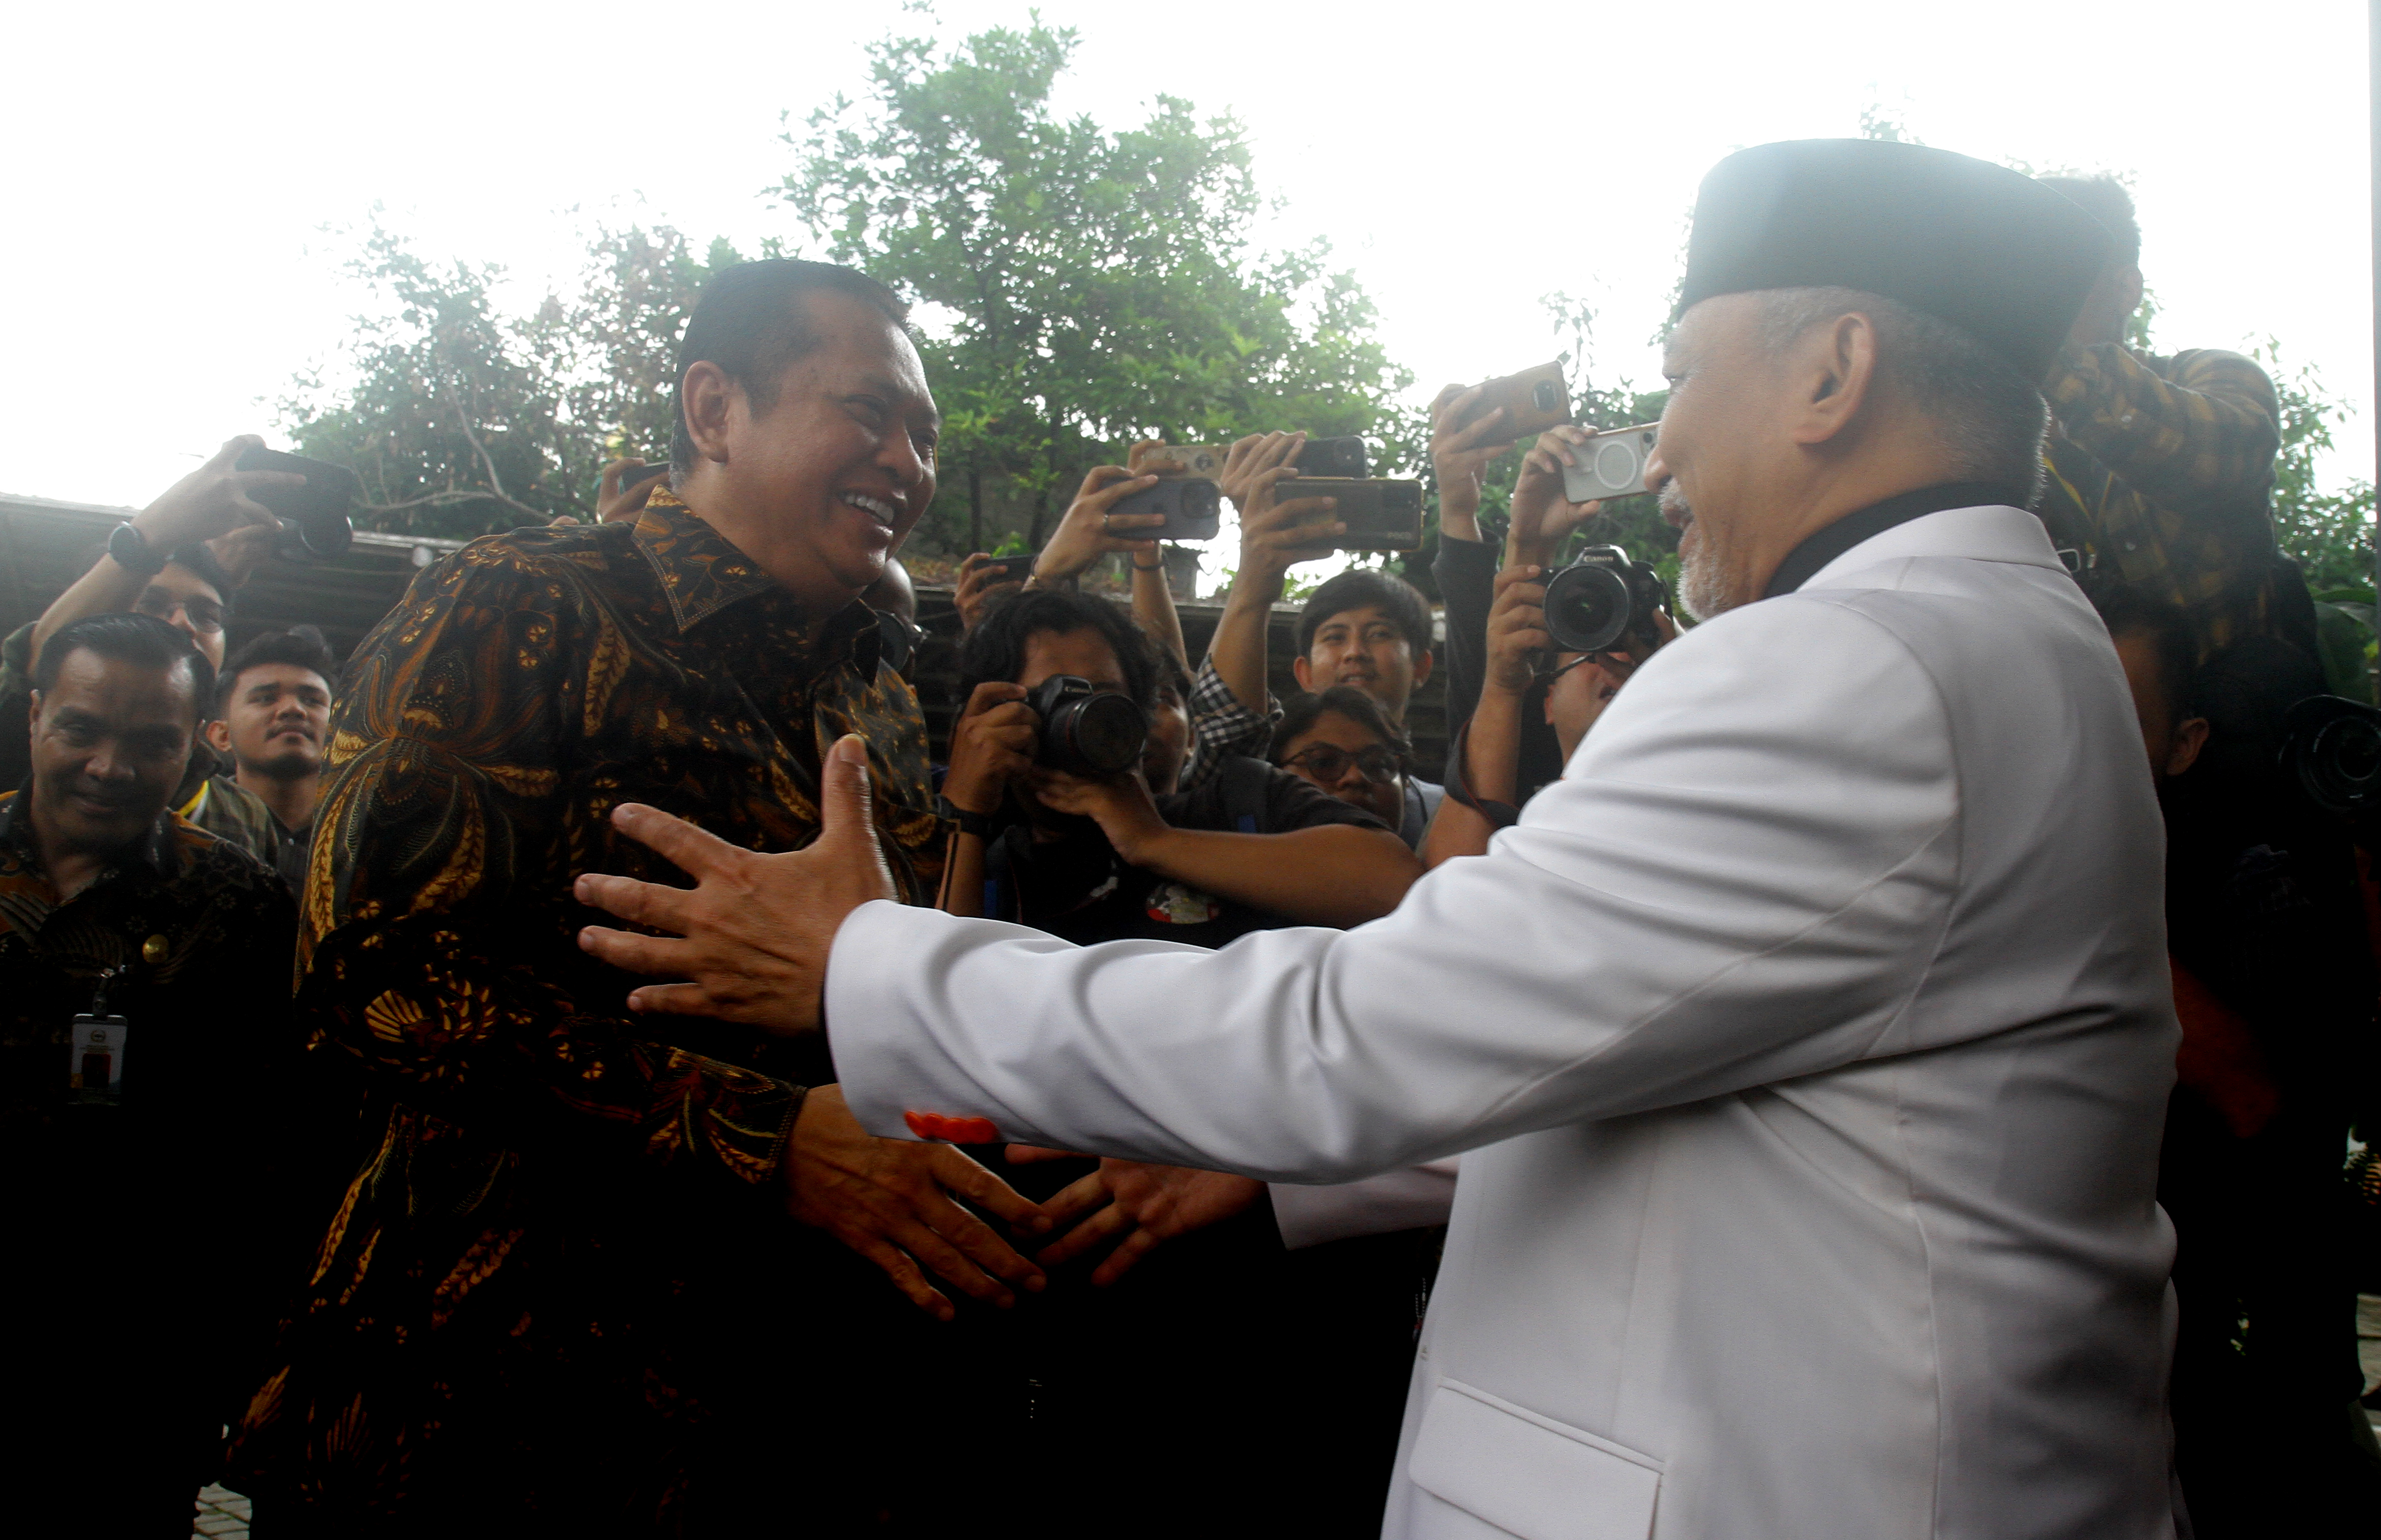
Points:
(1611, 464)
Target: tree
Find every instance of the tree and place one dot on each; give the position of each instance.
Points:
(1079, 288)
(461, 421)
(2329, 534)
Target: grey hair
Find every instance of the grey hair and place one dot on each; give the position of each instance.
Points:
(1989, 418)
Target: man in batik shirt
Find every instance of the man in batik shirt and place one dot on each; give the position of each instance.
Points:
(601, 1274)
(2162, 469)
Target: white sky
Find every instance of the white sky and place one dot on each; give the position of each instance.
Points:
(173, 169)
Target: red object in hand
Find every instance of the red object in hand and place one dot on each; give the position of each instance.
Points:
(951, 1130)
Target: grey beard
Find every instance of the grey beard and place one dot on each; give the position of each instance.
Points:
(1702, 588)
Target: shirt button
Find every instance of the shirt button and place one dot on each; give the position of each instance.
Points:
(152, 951)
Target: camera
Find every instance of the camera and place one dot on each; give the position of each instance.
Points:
(2332, 746)
(1602, 600)
(1086, 731)
(314, 523)
(1609, 465)
(1534, 401)
(1193, 507)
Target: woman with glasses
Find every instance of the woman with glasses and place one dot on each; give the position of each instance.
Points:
(1343, 743)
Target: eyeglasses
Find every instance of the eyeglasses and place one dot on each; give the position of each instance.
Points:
(1325, 763)
(1545, 669)
(204, 615)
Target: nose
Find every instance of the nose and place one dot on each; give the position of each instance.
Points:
(1657, 474)
(1350, 779)
(899, 455)
(108, 763)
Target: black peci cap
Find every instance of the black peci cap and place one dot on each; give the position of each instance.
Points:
(1991, 250)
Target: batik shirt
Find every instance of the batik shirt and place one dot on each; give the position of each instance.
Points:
(2161, 474)
(506, 1243)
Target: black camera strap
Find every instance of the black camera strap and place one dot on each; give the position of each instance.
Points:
(1822, 546)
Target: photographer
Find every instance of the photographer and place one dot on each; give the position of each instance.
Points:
(1489, 757)
(1088, 531)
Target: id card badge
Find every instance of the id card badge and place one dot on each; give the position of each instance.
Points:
(95, 1060)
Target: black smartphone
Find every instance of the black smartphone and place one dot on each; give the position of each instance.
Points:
(1193, 507)
(638, 474)
(1331, 457)
(314, 518)
(1381, 514)
(1008, 569)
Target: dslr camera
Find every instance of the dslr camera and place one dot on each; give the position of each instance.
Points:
(314, 523)
(2332, 746)
(1603, 600)
(1089, 732)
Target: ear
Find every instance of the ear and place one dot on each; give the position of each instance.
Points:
(33, 713)
(218, 736)
(1423, 667)
(1831, 373)
(1304, 672)
(710, 396)
(2190, 738)
(2128, 294)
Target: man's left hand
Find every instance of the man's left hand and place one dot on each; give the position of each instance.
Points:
(1145, 1205)
(751, 936)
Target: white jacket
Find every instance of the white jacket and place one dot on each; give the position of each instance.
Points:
(1813, 1035)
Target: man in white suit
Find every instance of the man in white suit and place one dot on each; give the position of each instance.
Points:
(1808, 1039)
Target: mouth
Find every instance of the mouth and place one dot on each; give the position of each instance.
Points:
(1674, 509)
(886, 511)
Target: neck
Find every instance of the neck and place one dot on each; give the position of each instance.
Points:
(70, 867)
(819, 593)
(1861, 483)
(292, 801)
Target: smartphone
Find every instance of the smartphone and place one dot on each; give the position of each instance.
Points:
(1381, 514)
(314, 522)
(1612, 464)
(1008, 569)
(638, 474)
(1193, 507)
(1534, 401)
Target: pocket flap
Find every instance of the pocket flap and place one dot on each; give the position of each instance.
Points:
(1531, 1475)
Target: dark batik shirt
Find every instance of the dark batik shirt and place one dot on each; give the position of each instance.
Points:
(517, 1234)
(144, 1236)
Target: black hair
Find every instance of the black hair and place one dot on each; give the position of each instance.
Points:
(1358, 588)
(2105, 199)
(2129, 612)
(1302, 715)
(751, 321)
(142, 641)
(299, 647)
(995, 649)
(1171, 671)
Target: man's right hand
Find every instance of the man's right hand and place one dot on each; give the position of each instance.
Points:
(1459, 456)
(1543, 515)
(214, 500)
(992, 746)
(1276, 533)
(889, 1200)
(979, 584)
(1089, 531)
(614, 506)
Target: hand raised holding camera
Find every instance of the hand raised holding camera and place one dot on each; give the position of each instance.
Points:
(982, 579)
(1091, 531)
(1542, 516)
(992, 746)
(1460, 453)
(1277, 531)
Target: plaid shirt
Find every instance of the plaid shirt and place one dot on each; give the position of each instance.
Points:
(1221, 726)
(2161, 473)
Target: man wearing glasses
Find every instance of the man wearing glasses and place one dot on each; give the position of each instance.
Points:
(180, 560)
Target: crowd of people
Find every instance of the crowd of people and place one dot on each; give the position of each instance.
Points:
(408, 1219)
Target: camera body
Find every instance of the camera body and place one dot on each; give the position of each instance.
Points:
(1086, 731)
(1612, 464)
(1380, 513)
(1603, 600)
(314, 522)
(1193, 507)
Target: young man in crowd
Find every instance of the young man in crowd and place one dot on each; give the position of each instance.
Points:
(604, 1273)
(271, 721)
(2162, 469)
(180, 560)
(1362, 627)
(141, 1040)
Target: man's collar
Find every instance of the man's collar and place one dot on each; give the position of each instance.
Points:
(1825, 544)
(700, 570)
(702, 573)
(157, 850)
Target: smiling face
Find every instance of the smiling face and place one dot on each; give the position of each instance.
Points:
(820, 485)
(1366, 648)
(1713, 458)
(110, 740)
(275, 722)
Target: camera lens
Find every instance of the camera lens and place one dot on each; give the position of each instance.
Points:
(1615, 463)
(1201, 500)
(1104, 733)
(1587, 607)
(1547, 397)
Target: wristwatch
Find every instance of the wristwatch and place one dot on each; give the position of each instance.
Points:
(133, 553)
(979, 825)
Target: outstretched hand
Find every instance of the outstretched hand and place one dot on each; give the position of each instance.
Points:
(750, 938)
(1129, 1209)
